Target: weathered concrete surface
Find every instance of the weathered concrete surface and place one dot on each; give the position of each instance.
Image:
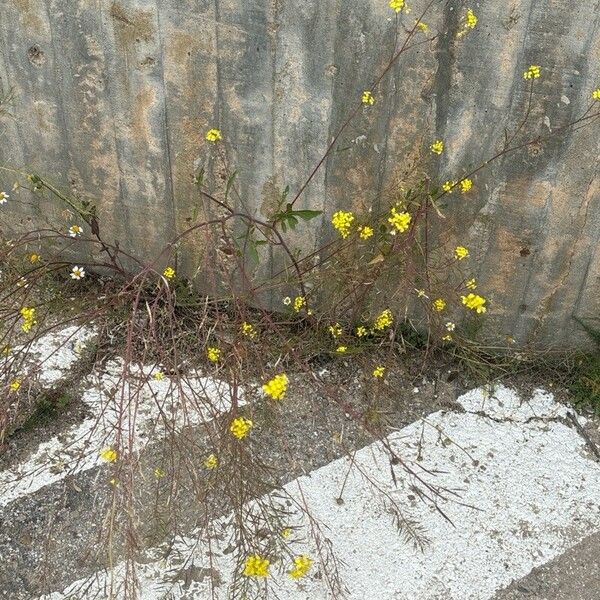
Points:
(112, 99)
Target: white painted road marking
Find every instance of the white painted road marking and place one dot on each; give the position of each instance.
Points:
(149, 407)
(528, 492)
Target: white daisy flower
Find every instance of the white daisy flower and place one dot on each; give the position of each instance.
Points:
(75, 231)
(77, 273)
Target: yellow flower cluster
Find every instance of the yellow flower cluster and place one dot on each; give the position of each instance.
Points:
(302, 565)
(596, 94)
(211, 461)
(365, 232)
(471, 284)
(399, 220)
(15, 384)
(437, 147)
(378, 371)
(214, 135)
(169, 273)
(439, 304)
(448, 185)
(461, 252)
(299, 302)
(361, 331)
(34, 258)
(335, 330)
(213, 354)
(108, 454)
(28, 316)
(466, 185)
(256, 566)
(422, 26)
(383, 320)
(159, 473)
(341, 349)
(158, 376)
(368, 98)
(532, 73)
(342, 221)
(249, 330)
(474, 302)
(240, 427)
(276, 387)
(469, 22)
(397, 5)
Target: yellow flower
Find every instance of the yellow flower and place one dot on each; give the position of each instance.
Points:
(299, 302)
(302, 565)
(240, 427)
(397, 5)
(367, 98)
(342, 221)
(437, 147)
(471, 284)
(399, 220)
(466, 185)
(77, 273)
(447, 338)
(383, 320)
(335, 330)
(256, 566)
(461, 252)
(28, 315)
(158, 376)
(34, 258)
(378, 371)
(211, 461)
(15, 384)
(532, 73)
(214, 135)
(474, 302)
(108, 454)
(596, 94)
(450, 326)
(285, 533)
(439, 304)
(4, 197)
(169, 273)
(75, 231)
(361, 331)
(365, 232)
(448, 185)
(248, 330)
(159, 473)
(276, 387)
(341, 349)
(470, 19)
(213, 354)
(422, 26)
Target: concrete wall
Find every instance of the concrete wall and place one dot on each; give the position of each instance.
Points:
(112, 100)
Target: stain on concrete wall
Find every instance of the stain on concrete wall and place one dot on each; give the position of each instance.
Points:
(112, 99)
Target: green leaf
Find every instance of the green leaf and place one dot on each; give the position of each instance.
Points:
(307, 215)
